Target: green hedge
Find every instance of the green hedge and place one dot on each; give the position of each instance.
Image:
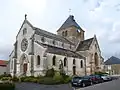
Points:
(57, 79)
(5, 75)
(51, 77)
(7, 86)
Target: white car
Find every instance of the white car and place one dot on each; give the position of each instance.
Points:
(106, 78)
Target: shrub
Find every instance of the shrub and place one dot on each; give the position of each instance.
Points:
(5, 78)
(100, 73)
(40, 80)
(50, 73)
(67, 79)
(7, 86)
(58, 78)
(29, 79)
(15, 79)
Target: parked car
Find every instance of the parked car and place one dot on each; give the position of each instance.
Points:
(96, 79)
(114, 78)
(81, 81)
(106, 77)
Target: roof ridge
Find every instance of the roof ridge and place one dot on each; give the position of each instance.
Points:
(53, 35)
(84, 45)
(67, 50)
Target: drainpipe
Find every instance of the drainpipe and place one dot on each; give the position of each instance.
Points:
(85, 67)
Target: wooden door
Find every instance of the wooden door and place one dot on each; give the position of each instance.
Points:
(74, 70)
(25, 68)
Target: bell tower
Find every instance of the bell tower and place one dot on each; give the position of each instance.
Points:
(71, 30)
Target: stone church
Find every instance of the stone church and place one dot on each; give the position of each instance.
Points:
(37, 50)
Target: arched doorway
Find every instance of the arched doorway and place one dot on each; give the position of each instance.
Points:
(23, 64)
(96, 60)
(74, 70)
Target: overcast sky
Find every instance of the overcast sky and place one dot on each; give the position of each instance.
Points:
(100, 17)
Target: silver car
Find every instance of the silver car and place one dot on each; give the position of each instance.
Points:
(106, 77)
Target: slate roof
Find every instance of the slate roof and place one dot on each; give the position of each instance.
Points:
(51, 35)
(84, 45)
(69, 22)
(112, 60)
(60, 51)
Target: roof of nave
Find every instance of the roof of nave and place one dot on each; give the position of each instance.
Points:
(51, 35)
(84, 45)
(60, 51)
(112, 60)
(69, 22)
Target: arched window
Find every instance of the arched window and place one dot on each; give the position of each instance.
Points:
(70, 46)
(42, 39)
(24, 31)
(65, 61)
(74, 61)
(54, 60)
(65, 33)
(81, 63)
(62, 44)
(38, 60)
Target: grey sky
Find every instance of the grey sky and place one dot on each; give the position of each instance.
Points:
(100, 17)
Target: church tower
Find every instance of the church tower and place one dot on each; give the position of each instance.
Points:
(71, 30)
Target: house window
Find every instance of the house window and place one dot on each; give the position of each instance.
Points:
(74, 61)
(24, 31)
(81, 63)
(54, 60)
(65, 61)
(38, 60)
(53, 42)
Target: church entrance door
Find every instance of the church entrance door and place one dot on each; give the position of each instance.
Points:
(74, 70)
(25, 67)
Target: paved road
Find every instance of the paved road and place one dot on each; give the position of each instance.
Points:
(112, 85)
(33, 86)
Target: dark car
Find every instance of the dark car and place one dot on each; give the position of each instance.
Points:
(96, 79)
(81, 81)
(114, 78)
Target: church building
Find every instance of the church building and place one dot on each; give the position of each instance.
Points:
(36, 50)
